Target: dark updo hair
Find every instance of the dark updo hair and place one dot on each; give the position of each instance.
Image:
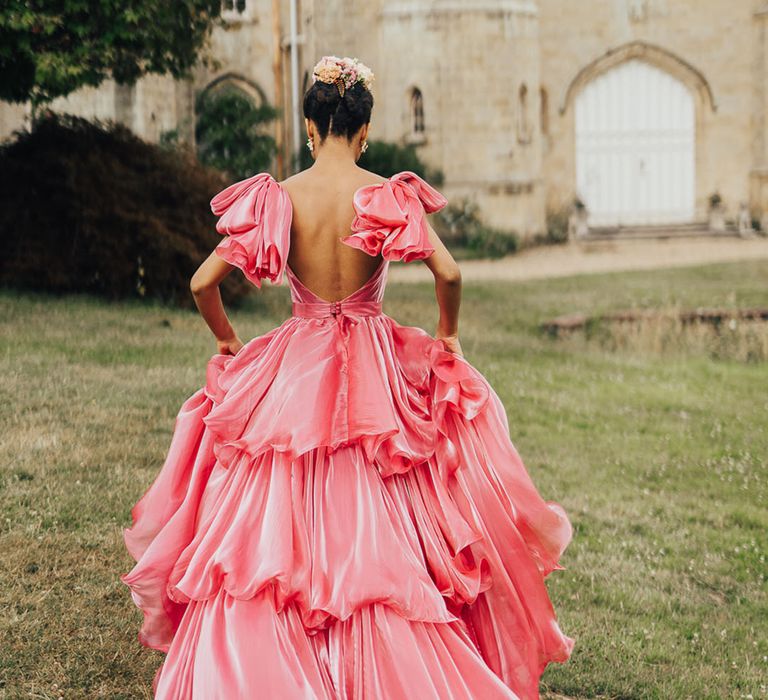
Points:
(341, 116)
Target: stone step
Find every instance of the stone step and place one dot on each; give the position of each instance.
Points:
(668, 231)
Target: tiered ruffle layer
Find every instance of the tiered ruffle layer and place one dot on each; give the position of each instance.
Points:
(342, 512)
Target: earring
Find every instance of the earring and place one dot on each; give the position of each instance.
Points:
(364, 147)
(310, 146)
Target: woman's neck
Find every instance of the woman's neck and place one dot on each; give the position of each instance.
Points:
(335, 153)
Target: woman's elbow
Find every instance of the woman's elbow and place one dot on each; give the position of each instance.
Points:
(450, 275)
(198, 285)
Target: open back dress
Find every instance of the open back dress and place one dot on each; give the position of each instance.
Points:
(341, 512)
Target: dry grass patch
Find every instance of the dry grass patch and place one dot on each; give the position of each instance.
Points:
(735, 334)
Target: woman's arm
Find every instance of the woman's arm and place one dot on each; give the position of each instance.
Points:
(204, 286)
(447, 290)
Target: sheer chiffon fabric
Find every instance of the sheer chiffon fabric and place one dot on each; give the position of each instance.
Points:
(341, 512)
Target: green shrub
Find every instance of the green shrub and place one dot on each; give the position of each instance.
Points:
(386, 159)
(557, 228)
(230, 133)
(490, 242)
(454, 222)
(461, 228)
(90, 207)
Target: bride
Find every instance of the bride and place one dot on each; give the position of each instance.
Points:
(341, 512)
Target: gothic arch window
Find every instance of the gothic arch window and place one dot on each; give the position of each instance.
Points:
(234, 81)
(417, 112)
(523, 118)
(233, 7)
(544, 111)
(638, 10)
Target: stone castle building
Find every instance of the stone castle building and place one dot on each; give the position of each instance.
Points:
(643, 109)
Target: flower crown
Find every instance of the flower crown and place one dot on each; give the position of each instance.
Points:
(344, 72)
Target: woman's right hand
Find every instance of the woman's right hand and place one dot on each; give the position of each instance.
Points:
(229, 346)
(452, 344)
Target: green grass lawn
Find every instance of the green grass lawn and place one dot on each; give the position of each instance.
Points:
(659, 461)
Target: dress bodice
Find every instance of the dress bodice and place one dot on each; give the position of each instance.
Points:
(365, 301)
(372, 290)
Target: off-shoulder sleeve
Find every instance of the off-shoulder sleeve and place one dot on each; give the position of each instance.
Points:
(390, 217)
(255, 215)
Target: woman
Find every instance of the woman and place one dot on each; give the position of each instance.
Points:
(341, 513)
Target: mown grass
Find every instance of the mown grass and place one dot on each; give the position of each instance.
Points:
(660, 462)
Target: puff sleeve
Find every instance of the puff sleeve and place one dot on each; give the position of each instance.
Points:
(255, 215)
(390, 217)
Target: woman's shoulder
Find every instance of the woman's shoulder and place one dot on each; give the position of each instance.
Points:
(368, 178)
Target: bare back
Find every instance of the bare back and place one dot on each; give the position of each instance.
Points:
(323, 212)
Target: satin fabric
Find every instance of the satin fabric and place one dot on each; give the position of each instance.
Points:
(341, 512)
(389, 218)
(255, 214)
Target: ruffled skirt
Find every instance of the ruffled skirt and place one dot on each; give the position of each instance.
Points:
(342, 514)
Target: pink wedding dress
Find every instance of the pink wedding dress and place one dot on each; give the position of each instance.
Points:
(341, 512)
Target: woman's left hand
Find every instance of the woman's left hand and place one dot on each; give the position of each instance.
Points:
(452, 343)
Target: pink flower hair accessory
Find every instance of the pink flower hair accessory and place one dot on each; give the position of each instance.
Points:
(344, 72)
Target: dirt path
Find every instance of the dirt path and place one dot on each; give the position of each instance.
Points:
(603, 256)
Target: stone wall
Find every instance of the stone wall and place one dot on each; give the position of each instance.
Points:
(468, 58)
(514, 155)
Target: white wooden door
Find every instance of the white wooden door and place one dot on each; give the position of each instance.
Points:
(635, 146)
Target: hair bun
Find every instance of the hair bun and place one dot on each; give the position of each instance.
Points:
(329, 110)
(327, 94)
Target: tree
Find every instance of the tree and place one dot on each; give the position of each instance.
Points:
(91, 207)
(229, 133)
(49, 48)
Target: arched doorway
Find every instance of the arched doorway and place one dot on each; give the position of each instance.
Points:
(635, 147)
